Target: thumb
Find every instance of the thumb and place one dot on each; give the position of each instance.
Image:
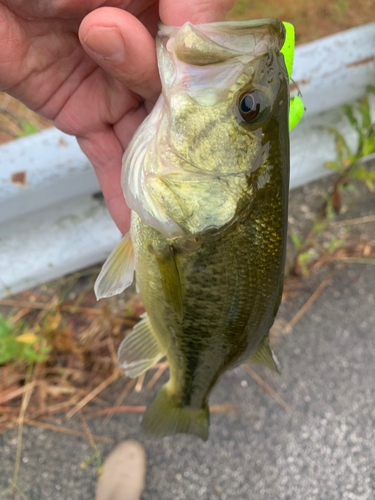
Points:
(177, 12)
(120, 44)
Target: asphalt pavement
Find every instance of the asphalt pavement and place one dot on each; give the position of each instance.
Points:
(324, 449)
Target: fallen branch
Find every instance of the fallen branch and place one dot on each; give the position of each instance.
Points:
(157, 375)
(94, 393)
(9, 395)
(351, 222)
(141, 409)
(129, 386)
(64, 307)
(66, 430)
(310, 301)
(268, 389)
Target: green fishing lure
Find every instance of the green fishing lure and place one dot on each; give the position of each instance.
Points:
(296, 109)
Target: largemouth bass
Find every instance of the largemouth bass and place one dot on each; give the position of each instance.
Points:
(206, 176)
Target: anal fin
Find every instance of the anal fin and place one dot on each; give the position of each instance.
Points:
(265, 357)
(140, 350)
(118, 270)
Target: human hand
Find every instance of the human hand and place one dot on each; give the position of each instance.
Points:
(92, 70)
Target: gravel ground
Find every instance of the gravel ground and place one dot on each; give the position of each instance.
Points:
(323, 450)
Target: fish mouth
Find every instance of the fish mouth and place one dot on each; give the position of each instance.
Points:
(215, 43)
(206, 60)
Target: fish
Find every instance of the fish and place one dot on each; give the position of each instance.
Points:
(206, 177)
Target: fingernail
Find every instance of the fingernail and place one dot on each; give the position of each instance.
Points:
(106, 42)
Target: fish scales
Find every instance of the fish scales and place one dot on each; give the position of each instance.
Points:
(232, 292)
(207, 178)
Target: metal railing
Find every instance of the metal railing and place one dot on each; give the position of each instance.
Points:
(51, 222)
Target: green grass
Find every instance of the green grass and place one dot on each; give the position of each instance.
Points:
(340, 9)
(18, 344)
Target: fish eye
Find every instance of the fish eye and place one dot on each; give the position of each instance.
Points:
(252, 104)
(249, 106)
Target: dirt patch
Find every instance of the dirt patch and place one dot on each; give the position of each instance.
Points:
(312, 19)
(16, 120)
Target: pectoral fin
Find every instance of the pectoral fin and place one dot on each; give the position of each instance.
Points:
(171, 282)
(118, 270)
(265, 357)
(140, 350)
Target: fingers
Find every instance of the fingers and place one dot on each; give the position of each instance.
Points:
(176, 13)
(107, 164)
(104, 149)
(124, 48)
(14, 48)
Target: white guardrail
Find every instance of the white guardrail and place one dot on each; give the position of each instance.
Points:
(51, 222)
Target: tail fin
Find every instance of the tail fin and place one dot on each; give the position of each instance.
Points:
(165, 417)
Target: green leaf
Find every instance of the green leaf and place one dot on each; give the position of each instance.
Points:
(349, 113)
(335, 243)
(27, 129)
(342, 147)
(360, 173)
(350, 188)
(296, 241)
(364, 109)
(332, 165)
(369, 144)
(305, 257)
(319, 226)
(11, 350)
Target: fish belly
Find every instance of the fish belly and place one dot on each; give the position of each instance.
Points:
(230, 291)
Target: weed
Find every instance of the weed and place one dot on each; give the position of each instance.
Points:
(340, 9)
(27, 128)
(350, 164)
(20, 344)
